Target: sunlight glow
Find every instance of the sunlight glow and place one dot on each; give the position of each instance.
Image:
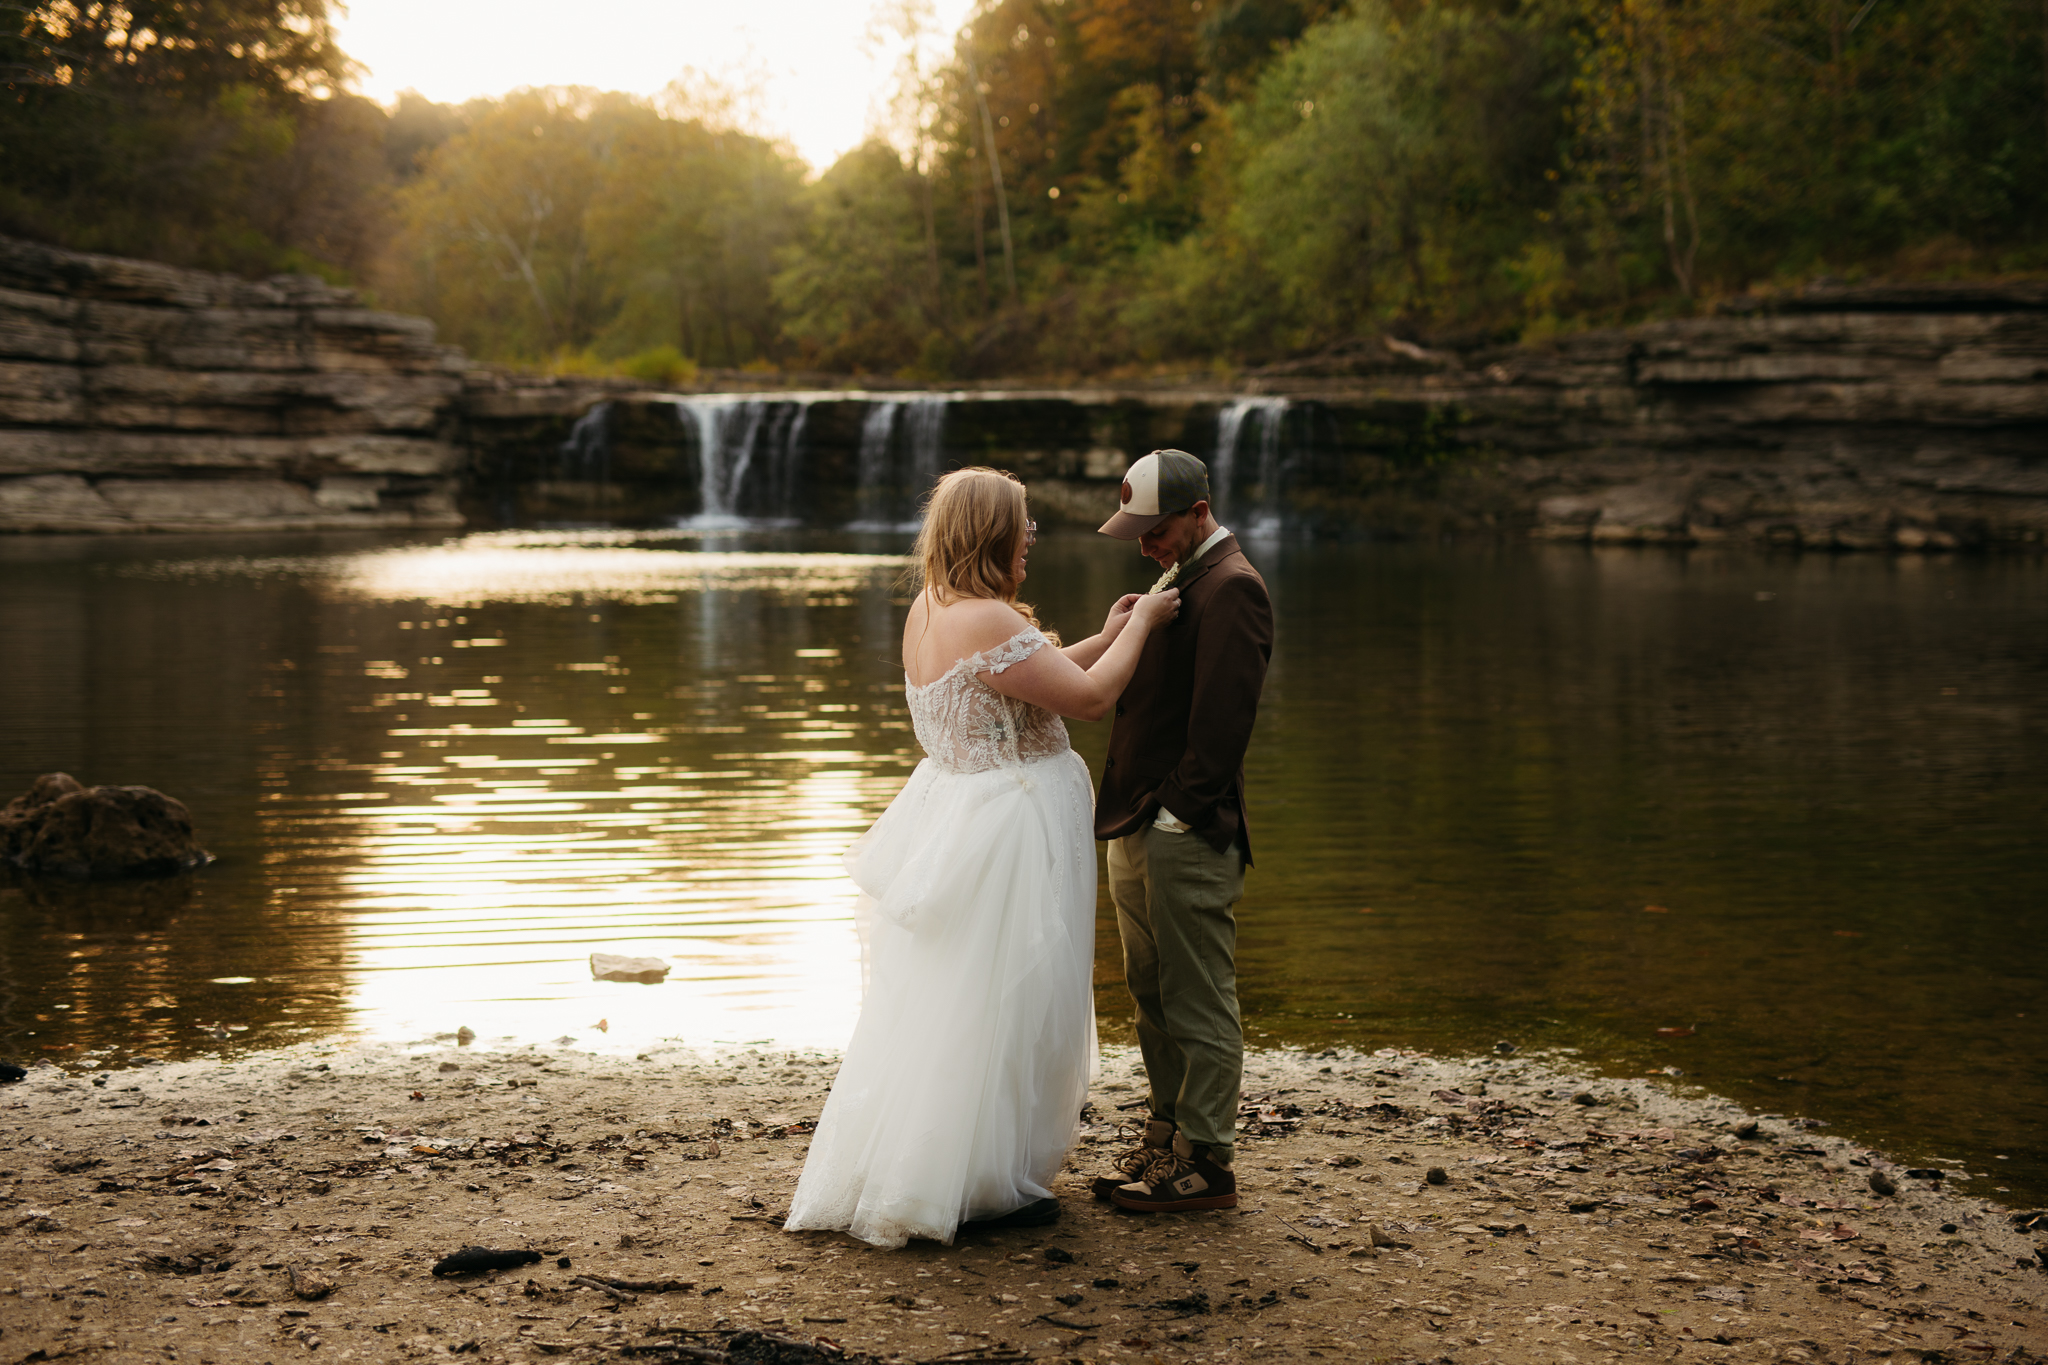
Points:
(501, 918)
(804, 64)
(465, 574)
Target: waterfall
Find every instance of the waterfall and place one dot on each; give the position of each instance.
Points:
(1272, 469)
(786, 441)
(927, 426)
(587, 452)
(897, 471)
(872, 496)
(743, 478)
(1230, 421)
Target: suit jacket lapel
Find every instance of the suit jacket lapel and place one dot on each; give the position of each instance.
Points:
(1224, 548)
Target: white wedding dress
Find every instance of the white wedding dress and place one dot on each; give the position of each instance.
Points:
(962, 1088)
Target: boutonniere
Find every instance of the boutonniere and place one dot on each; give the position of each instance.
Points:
(1165, 581)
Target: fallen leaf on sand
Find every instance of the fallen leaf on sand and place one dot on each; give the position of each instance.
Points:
(1840, 1232)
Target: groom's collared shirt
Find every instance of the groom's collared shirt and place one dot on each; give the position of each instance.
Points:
(1184, 721)
(1216, 537)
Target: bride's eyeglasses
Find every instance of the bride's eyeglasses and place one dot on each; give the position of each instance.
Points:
(1030, 534)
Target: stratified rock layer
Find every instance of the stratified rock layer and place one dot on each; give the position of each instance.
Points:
(61, 827)
(1909, 417)
(136, 396)
(141, 397)
(1879, 417)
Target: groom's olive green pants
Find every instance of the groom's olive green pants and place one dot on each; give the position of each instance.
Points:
(1173, 896)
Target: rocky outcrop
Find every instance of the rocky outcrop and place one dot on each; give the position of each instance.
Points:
(1903, 418)
(63, 828)
(141, 397)
(1883, 416)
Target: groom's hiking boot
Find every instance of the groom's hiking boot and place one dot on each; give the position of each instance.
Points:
(1132, 1164)
(1185, 1178)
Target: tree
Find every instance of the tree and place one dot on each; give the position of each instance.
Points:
(1735, 140)
(562, 220)
(853, 288)
(689, 225)
(160, 127)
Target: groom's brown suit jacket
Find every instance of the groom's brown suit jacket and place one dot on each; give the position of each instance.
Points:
(1185, 719)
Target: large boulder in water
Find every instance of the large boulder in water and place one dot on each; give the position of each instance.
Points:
(62, 827)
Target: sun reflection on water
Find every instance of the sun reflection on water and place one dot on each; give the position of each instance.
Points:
(438, 776)
(482, 569)
(479, 862)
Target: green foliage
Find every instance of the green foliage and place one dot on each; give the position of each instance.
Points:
(206, 132)
(858, 290)
(1383, 171)
(663, 364)
(557, 220)
(1203, 186)
(1259, 178)
(1743, 140)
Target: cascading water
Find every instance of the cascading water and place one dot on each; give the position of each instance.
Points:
(902, 453)
(927, 427)
(1230, 422)
(587, 452)
(872, 495)
(787, 437)
(744, 479)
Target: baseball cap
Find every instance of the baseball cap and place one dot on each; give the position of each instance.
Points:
(1156, 487)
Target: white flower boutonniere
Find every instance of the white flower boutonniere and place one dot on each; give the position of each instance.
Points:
(1165, 581)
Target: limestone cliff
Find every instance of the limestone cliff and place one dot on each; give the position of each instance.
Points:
(136, 396)
(141, 397)
(1847, 418)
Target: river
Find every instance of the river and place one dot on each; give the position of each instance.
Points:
(1773, 825)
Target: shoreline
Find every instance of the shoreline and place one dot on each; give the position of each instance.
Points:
(165, 1213)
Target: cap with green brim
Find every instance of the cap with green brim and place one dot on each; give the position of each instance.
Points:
(1160, 485)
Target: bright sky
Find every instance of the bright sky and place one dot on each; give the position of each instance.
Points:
(822, 84)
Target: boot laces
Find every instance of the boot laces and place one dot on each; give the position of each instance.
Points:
(1170, 1165)
(1137, 1161)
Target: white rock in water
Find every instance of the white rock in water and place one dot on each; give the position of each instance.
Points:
(612, 967)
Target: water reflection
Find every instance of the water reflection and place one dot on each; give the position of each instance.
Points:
(1557, 796)
(490, 758)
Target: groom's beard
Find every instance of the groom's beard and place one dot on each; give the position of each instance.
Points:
(1178, 549)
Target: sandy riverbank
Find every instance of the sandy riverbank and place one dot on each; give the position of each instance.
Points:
(161, 1213)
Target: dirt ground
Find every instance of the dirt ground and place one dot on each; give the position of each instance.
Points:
(1395, 1207)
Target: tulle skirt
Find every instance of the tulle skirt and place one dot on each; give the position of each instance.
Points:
(961, 1090)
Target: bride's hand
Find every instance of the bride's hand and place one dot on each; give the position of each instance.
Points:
(1119, 615)
(1156, 609)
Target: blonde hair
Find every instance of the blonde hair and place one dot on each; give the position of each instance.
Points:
(973, 529)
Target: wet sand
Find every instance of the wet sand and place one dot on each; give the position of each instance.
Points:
(291, 1206)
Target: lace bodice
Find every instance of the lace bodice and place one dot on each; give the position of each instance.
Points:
(966, 726)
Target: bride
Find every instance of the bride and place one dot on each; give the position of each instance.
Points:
(962, 1088)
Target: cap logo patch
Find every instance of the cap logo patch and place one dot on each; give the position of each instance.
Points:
(1127, 490)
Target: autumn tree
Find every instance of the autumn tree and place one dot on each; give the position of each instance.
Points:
(210, 132)
(688, 226)
(564, 220)
(1738, 140)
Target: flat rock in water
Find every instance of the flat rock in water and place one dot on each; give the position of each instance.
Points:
(61, 827)
(613, 967)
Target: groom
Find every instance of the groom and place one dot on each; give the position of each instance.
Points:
(1172, 809)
